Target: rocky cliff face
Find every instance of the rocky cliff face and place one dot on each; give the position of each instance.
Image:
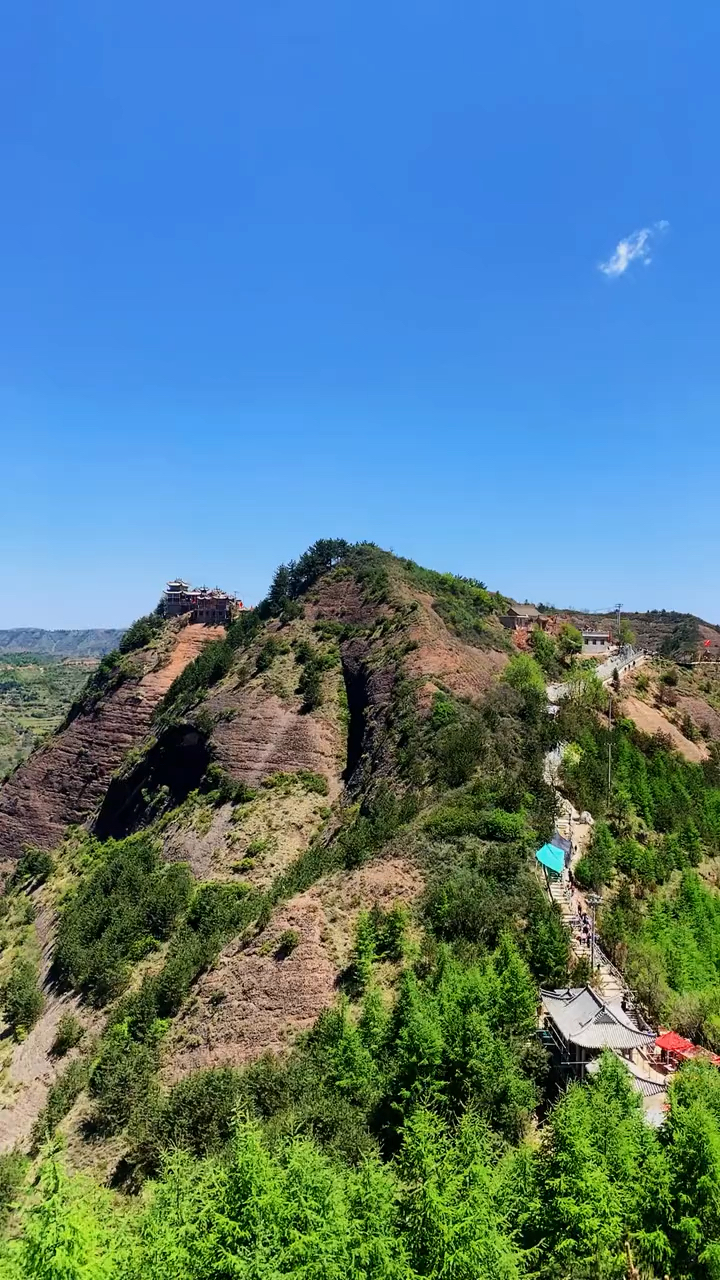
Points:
(254, 722)
(66, 779)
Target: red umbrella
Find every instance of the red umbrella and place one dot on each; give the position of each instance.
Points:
(673, 1043)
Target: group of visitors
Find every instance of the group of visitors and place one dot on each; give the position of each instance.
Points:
(580, 920)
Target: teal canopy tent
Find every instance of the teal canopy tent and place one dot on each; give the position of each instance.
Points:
(552, 858)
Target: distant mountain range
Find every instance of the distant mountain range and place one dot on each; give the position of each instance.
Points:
(94, 643)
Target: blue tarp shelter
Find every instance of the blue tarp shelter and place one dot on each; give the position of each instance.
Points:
(552, 858)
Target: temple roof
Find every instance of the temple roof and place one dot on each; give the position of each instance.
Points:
(582, 1018)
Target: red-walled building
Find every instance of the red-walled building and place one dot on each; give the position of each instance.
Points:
(213, 607)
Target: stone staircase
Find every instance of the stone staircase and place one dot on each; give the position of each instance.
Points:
(560, 894)
(608, 981)
(576, 827)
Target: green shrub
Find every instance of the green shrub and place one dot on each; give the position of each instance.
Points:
(222, 789)
(390, 930)
(467, 814)
(314, 662)
(523, 673)
(269, 653)
(120, 1078)
(385, 814)
(310, 687)
(62, 1096)
(128, 903)
(291, 610)
(596, 867)
(478, 890)
(545, 651)
(35, 864)
(287, 942)
(12, 1174)
(257, 846)
(22, 999)
(569, 641)
(313, 782)
(200, 1110)
(586, 689)
(141, 632)
(459, 742)
(70, 1032)
(444, 712)
(364, 952)
(580, 974)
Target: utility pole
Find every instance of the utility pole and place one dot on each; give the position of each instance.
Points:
(618, 607)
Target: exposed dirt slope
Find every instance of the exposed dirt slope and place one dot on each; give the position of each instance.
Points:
(691, 704)
(703, 716)
(66, 779)
(651, 720)
(254, 1000)
(445, 661)
(32, 1068)
(266, 735)
(269, 833)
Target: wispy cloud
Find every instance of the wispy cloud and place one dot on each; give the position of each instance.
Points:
(635, 248)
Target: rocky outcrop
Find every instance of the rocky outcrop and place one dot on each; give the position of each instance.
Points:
(66, 779)
(267, 735)
(253, 723)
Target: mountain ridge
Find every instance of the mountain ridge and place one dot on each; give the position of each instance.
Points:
(93, 642)
(298, 937)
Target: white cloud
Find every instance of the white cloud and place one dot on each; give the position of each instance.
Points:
(636, 248)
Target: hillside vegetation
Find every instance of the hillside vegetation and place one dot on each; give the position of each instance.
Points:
(35, 696)
(297, 948)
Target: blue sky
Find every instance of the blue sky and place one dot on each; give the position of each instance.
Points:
(273, 272)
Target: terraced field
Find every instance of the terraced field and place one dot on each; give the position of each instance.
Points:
(35, 693)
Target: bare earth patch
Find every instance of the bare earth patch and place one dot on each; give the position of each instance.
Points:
(651, 720)
(253, 1001)
(267, 734)
(465, 670)
(701, 714)
(32, 1068)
